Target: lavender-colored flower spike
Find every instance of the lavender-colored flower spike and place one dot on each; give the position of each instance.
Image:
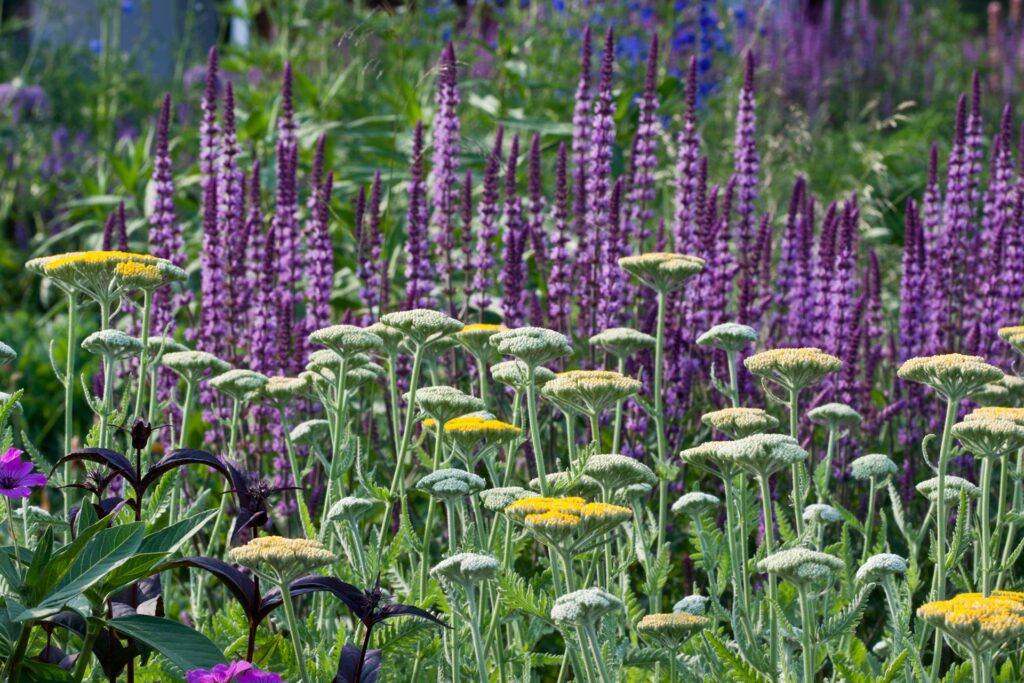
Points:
(321, 260)
(559, 280)
(599, 172)
(612, 282)
(468, 240)
(419, 272)
(107, 242)
(316, 173)
(874, 329)
(489, 212)
(165, 234)
(912, 286)
(975, 139)
(254, 228)
(213, 330)
(121, 227)
(640, 209)
(208, 128)
(359, 223)
(232, 226)
(513, 276)
(373, 265)
(791, 277)
(581, 136)
(537, 206)
(445, 168)
(263, 349)
(746, 168)
(684, 228)
(843, 282)
(824, 261)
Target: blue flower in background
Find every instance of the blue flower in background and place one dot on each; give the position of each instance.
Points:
(95, 46)
(558, 6)
(127, 6)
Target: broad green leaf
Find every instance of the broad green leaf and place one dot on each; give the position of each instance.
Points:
(184, 647)
(62, 560)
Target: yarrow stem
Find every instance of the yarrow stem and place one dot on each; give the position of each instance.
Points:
(69, 397)
(794, 429)
(538, 451)
(659, 426)
(952, 405)
(147, 310)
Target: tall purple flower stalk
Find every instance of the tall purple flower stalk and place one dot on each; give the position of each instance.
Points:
(232, 224)
(321, 260)
(823, 264)
(419, 272)
(560, 276)
(640, 200)
(290, 341)
(613, 280)
(687, 168)
(254, 230)
(513, 275)
(791, 275)
(468, 240)
(951, 280)
(209, 131)
(371, 265)
(599, 181)
(536, 209)
(843, 282)
(490, 209)
(445, 168)
(581, 136)
(746, 166)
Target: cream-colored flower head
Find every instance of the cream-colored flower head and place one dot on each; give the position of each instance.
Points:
(662, 271)
(695, 503)
(392, 339)
(282, 559)
(692, 604)
(422, 326)
(280, 390)
(364, 374)
(953, 375)
(466, 569)
(793, 369)
(622, 342)
(311, 433)
(589, 392)
(516, 374)
(615, 471)
(351, 509)
(585, 607)
(445, 403)
(240, 385)
(670, 631)
(192, 365)
(346, 340)
(876, 466)
(737, 423)
(765, 454)
(157, 346)
(476, 339)
(730, 337)
(801, 566)
(1014, 386)
(952, 486)
(877, 567)
(1014, 415)
(835, 416)
(7, 354)
(497, 499)
(989, 437)
(713, 456)
(819, 513)
(532, 345)
(1014, 336)
(979, 624)
(565, 482)
(112, 344)
(992, 394)
(451, 484)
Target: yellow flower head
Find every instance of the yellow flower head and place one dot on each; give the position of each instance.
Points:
(978, 623)
(469, 431)
(93, 273)
(539, 505)
(552, 524)
(286, 558)
(476, 339)
(1014, 415)
(138, 275)
(793, 368)
(953, 375)
(740, 422)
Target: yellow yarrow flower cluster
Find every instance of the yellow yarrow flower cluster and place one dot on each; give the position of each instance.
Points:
(476, 339)
(138, 275)
(567, 522)
(286, 558)
(101, 275)
(793, 368)
(1015, 415)
(976, 622)
(953, 375)
(469, 431)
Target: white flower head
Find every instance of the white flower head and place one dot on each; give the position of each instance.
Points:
(192, 365)
(516, 374)
(451, 484)
(662, 271)
(7, 354)
(532, 345)
(566, 483)
(615, 471)
(952, 486)
(422, 326)
(670, 631)
(311, 432)
(835, 416)
(352, 508)
(589, 392)
(801, 566)
(112, 344)
(499, 498)
(346, 340)
(392, 338)
(692, 604)
(466, 569)
(738, 423)
(989, 437)
(793, 368)
(875, 466)
(239, 384)
(445, 403)
(622, 342)
(476, 339)
(765, 454)
(157, 346)
(730, 337)
(877, 567)
(819, 513)
(695, 503)
(584, 607)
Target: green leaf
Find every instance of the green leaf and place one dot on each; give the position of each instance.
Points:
(66, 556)
(847, 619)
(895, 667)
(108, 550)
(740, 668)
(185, 648)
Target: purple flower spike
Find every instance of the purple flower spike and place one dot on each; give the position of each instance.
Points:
(559, 280)
(489, 212)
(746, 167)
(684, 228)
(513, 276)
(445, 169)
(468, 240)
(581, 135)
(419, 272)
(537, 206)
(640, 202)
(321, 260)
(208, 129)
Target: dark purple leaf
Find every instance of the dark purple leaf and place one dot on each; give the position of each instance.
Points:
(185, 456)
(395, 610)
(143, 597)
(240, 585)
(104, 456)
(346, 592)
(348, 662)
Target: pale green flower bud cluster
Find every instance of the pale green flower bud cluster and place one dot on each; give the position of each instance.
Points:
(585, 607)
(445, 403)
(112, 344)
(532, 345)
(989, 436)
(192, 365)
(422, 326)
(953, 375)
(820, 513)
(801, 566)
(876, 466)
(352, 508)
(451, 484)
(662, 271)
(835, 416)
(738, 423)
(615, 471)
(730, 337)
(7, 354)
(794, 368)
(347, 340)
(497, 499)
(877, 567)
(240, 385)
(516, 374)
(695, 503)
(953, 486)
(622, 342)
(466, 569)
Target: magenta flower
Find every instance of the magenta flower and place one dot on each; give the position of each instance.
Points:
(240, 672)
(16, 476)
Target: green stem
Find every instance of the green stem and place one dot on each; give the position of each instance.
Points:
(734, 385)
(92, 632)
(983, 522)
(147, 305)
(293, 628)
(659, 425)
(428, 527)
(869, 523)
(538, 452)
(108, 400)
(474, 628)
(940, 523)
(617, 432)
(570, 437)
(595, 431)
(17, 657)
(398, 481)
(481, 371)
(595, 643)
(1018, 495)
(293, 464)
(807, 629)
(14, 533)
(588, 672)
(69, 397)
(794, 429)
(769, 548)
(830, 453)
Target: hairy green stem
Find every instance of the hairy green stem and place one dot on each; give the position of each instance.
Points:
(794, 431)
(983, 522)
(659, 425)
(538, 451)
(952, 404)
(147, 305)
(293, 628)
(617, 431)
(474, 629)
(769, 548)
(807, 634)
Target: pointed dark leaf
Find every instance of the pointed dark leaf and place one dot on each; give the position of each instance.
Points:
(240, 585)
(349, 661)
(104, 456)
(184, 456)
(247, 519)
(143, 597)
(346, 592)
(395, 610)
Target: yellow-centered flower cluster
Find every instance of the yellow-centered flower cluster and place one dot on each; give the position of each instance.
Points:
(671, 629)
(793, 368)
(139, 274)
(555, 520)
(87, 258)
(475, 425)
(1015, 415)
(977, 622)
(954, 375)
(286, 557)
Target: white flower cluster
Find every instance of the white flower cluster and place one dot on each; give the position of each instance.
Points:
(731, 337)
(466, 568)
(622, 342)
(499, 498)
(112, 344)
(516, 374)
(738, 423)
(351, 508)
(835, 416)
(819, 513)
(422, 325)
(311, 432)
(532, 345)
(7, 354)
(191, 365)
(695, 503)
(445, 403)
(615, 471)
(451, 484)
(876, 466)
(239, 384)
(346, 340)
(952, 485)
(584, 607)
(877, 567)
(801, 566)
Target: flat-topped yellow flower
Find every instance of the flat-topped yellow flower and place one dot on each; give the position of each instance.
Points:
(600, 518)
(138, 275)
(662, 271)
(554, 526)
(541, 504)
(953, 375)
(1014, 415)
(469, 431)
(476, 339)
(976, 622)
(740, 422)
(285, 558)
(793, 368)
(589, 392)
(94, 273)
